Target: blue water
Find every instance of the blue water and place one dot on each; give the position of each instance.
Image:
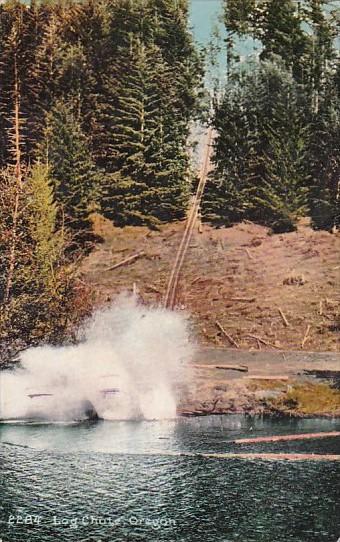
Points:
(97, 482)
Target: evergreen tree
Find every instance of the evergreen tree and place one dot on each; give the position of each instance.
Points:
(47, 243)
(293, 154)
(282, 35)
(239, 16)
(65, 149)
(20, 29)
(324, 159)
(40, 291)
(145, 150)
(260, 153)
(223, 201)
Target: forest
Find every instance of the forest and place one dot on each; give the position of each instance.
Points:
(96, 107)
(278, 119)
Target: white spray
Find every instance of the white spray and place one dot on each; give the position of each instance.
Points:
(131, 362)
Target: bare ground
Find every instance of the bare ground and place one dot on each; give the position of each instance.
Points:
(276, 382)
(276, 296)
(273, 287)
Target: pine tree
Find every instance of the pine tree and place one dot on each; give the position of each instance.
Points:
(223, 202)
(324, 159)
(41, 285)
(65, 149)
(145, 153)
(20, 35)
(260, 153)
(239, 16)
(277, 196)
(47, 243)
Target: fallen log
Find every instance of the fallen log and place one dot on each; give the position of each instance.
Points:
(283, 316)
(271, 377)
(126, 261)
(280, 438)
(242, 368)
(248, 254)
(262, 341)
(243, 299)
(304, 340)
(229, 337)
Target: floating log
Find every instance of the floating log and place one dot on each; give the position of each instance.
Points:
(110, 390)
(246, 456)
(127, 260)
(279, 438)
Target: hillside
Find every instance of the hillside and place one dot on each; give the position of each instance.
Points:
(241, 277)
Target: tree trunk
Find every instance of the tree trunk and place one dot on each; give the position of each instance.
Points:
(18, 181)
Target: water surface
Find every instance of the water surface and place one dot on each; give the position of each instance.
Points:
(97, 482)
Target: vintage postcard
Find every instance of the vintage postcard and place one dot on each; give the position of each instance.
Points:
(169, 270)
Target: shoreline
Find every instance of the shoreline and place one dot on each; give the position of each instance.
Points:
(291, 384)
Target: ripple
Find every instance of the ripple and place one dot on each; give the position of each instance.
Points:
(81, 493)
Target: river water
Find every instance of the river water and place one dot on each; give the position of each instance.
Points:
(97, 482)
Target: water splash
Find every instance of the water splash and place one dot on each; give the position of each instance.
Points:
(131, 363)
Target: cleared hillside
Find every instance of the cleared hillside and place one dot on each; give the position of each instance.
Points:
(283, 289)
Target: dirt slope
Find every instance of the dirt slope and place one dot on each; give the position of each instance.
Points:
(241, 276)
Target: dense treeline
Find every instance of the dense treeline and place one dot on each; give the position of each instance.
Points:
(95, 103)
(278, 121)
(120, 79)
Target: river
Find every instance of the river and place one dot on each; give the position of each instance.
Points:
(98, 482)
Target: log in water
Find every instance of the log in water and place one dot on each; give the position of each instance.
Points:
(279, 438)
(248, 456)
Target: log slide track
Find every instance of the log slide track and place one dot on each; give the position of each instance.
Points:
(171, 293)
